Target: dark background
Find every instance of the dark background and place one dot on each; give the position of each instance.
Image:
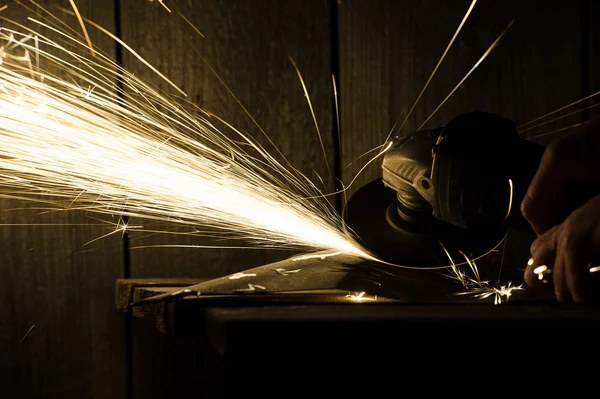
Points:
(381, 52)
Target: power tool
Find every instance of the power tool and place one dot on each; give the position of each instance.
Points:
(457, 186)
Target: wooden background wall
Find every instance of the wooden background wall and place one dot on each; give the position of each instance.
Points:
(381, 51)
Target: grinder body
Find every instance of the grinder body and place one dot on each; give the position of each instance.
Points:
(472, 173)
(460, 185)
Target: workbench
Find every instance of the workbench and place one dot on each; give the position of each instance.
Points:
(223, 345)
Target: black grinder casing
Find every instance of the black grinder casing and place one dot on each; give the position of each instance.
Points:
(473, 170)
(481, 168)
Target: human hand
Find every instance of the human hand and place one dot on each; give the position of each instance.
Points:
(566, 246)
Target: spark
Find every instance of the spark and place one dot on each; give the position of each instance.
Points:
(558, 118)
(541, 272)
(443, 267)
(387, 147)
(241, 105)
(337, 108)
(50, 224)
(161, 2)
(164, 5)
(559, 109)
(83, 28)
(459, 275)
(510, 199)
(312, 112)
(475, 286)
(316, 256)
(360, 297)
(28, 331)
(191, 24)
(483, 57)
(121, 226)
(365, 154)
(121, 42)
(558, 130)
(89, 93)
(198, 246)
(501, 293)
(139, 153)
(460, 26)
(473, 266)
(37, 56)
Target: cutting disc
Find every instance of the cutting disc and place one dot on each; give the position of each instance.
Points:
(372, 215)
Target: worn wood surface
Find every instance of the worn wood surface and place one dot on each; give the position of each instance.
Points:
(248, 43)
(60, 289)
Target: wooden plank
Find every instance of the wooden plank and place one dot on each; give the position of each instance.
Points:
(249, 44)
(51, 281)
(388, 50)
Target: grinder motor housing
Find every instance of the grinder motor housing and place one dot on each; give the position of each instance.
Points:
(459, 185)
(472, 173)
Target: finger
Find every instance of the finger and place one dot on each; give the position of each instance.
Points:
(569, 266)
(548, 239)
(579, 231)
(558, 278)
(572, 159)
(575, 271)
(546, 193)
(543, 253)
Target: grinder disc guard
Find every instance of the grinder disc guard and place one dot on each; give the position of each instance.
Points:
(372, 215)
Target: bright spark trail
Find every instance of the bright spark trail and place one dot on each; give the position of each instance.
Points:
(475, 286)
(139, 153)
(71, 137)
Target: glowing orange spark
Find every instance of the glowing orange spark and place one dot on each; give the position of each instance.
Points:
(27, 333)
(360, 297)
(145, 156)
(321, 256)
(83, 28)
(483, 57)
(560, 109)
(312, 112)
(191, 24)
(558, 118)
(460, 26)
(558, 130)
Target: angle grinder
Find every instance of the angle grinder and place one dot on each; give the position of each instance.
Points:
(459, 185)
